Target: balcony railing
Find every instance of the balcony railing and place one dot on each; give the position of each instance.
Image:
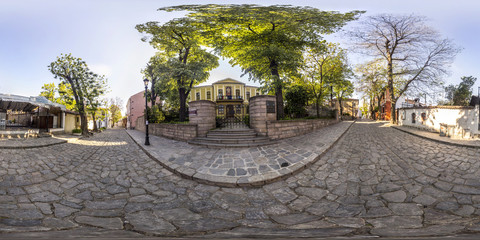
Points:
(233, 97)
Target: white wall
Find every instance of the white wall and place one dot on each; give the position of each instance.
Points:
(463, 120)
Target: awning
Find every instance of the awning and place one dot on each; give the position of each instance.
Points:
(26, 104)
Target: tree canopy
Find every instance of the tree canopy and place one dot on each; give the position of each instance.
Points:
(415, 55)
(266, 42)
(75, 75)
(460, 94)
(182, 62)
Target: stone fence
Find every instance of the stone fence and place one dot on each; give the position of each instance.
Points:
(181, 132)
(453, 121)
(291, 128)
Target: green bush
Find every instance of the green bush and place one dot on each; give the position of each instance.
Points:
(296, 97)
(246, 119)
(77, 130)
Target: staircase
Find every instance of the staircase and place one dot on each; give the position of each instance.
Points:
(231, 138)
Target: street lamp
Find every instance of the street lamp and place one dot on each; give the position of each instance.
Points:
(147, 141)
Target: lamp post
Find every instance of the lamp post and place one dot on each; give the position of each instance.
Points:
(147, 141)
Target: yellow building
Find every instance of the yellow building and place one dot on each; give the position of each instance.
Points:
(231, 96)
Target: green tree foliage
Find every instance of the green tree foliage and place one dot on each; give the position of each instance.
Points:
(343, 88)
(66, 96)
(155, 114)
(94, 88)
(372, 81)
(75, 74)
(265, 41)
(323, 65)
(48, 91)
(460, 95)
(183, 63)
(296, 97)
(115, 108)
(414, 54)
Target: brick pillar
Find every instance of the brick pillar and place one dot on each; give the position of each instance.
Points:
(202, 113)
(259, 115)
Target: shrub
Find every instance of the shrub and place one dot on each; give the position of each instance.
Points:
(77, 130)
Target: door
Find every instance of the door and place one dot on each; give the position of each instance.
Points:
(230, 111)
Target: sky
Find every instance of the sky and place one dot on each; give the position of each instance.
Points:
(102, 32)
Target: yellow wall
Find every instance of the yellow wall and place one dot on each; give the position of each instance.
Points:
(71, 123)
(223, 86)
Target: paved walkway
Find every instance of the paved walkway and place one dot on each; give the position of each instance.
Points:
(241, 166)
(12, 143)
(436, 137)
(375, 181)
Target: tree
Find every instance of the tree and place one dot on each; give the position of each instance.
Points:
(115, 110)
(74, 73)
(372, 81)
(342, 88)
(266, 42)
(460, 95)
(184, 62)
(66, 96)
(296, 97)
(322, 64)
(94, 88)
(49, 91)
(413, 52)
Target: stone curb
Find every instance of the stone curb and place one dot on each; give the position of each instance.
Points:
(433, 139)
(253, 181)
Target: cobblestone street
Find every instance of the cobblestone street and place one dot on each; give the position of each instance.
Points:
(375, 181)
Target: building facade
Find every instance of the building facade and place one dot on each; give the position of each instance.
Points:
(231, 96)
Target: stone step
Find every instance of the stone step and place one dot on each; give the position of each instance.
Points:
(231, 135)
(233, 140)
(229, 145)
(232, 130)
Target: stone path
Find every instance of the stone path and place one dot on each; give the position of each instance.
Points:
(241, 166)
(376, 181)
(12, 143)
(436, 137)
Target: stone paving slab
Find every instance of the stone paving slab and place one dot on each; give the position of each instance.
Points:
(19, 143)
(251, 166)
(475, 143)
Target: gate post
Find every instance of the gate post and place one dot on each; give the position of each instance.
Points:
(262, 109)
(202, 113)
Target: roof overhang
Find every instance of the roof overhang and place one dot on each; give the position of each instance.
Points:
(26, 104)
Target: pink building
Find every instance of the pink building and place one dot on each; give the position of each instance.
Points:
(135, 108)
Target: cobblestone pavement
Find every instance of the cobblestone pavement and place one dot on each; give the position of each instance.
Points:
(375, 181)
(435, 136)
(242, 166)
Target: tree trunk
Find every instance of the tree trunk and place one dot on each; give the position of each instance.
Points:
(341, 108)
(278, 89)
(392, 94)
(95, 128)
(318, 107)
(83, 123)
(183, 106)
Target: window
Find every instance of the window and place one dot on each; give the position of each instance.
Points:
(248, 95)
(258, 93)
(237, 92)
(209, 95)
(197, 96)
(413, 117)
(220, 93)
(238, 109)
(78, 119)
(220, 109)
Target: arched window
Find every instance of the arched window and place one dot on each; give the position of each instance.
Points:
(413, 117)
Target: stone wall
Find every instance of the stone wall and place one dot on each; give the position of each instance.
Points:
(461, 122)
(181, 132)
(291, 128)
(202, 114)
(259, 115)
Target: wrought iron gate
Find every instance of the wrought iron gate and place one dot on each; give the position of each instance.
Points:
(232, 116)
